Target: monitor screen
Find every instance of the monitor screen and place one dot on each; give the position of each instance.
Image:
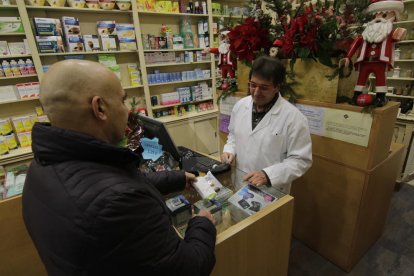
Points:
(153, 128)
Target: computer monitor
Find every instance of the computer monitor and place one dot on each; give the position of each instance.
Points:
(153, 128)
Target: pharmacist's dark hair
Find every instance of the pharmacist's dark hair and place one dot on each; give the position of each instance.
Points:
(268, 68)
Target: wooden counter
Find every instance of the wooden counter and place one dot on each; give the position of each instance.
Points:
(258, 245)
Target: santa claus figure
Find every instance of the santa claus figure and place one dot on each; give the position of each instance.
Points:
(227, 63)
(376, 47)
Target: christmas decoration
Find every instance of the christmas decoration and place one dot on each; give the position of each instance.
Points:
(376, 48)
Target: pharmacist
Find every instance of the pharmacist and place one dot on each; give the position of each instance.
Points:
(268, 136)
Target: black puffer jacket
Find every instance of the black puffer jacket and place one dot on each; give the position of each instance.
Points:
(89, 212)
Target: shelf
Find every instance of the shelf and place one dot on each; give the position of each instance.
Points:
(227, 16)
(397, 79)
(132, 87)
(175, 82)
(405, 41)
(179, 104)
(405, 117)
(404, 60)
(8, 7)
(15, 56)
(87, 53)
(176, 63)
(408, 1)
(172, 118)
(172, 14)
(173, 50)
(12, 34)
(16, 155)
(404, 22)
(19, 77)
(70, 9)
(19, 100)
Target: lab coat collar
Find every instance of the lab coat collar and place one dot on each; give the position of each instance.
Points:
(276, 108)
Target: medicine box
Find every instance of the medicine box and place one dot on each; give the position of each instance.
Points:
(108, 42)
(247, 201)
(11, 25)
(47, 26)
(211, 205)
(91, 43)
(4, 49)
(180, 209)
(17, 48)
(106, 27)
(75, 43)
(50, 44)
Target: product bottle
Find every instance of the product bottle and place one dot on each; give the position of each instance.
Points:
(196, 7)
(29, 66)
(6, 68)
(188, 10)
(190, 5)
(14, 68)
(204, 7)
(22, 67)
(397, 54)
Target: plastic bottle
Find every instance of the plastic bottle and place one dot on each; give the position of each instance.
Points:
(204, 7)
(14, 68)
(190, 5)
(29, 66)
(22, 67)
(6, 68)
(196, 7)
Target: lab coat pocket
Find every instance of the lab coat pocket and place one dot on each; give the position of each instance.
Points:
(273, 146)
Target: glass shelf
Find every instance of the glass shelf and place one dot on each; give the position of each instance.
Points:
(87, 53)
(173, 118)
(176, 63)
(157, 107)
(175, 82)
(70, 9)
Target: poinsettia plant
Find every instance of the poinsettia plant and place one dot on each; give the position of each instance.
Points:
(307, 29)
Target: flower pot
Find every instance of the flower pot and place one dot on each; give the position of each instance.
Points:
(312, 83)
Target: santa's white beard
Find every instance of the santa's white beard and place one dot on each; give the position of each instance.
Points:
(376, 32)
(223, 48)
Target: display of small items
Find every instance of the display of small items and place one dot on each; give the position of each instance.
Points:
(199, 92)
(219, 9)
(16, 132)
(181, 110)
(19, 91)
(157, 77)
(122, 5)
(10, 68)
(171, 57)
(12, 179)
(111, 36)
(8, 48)
(181, 6)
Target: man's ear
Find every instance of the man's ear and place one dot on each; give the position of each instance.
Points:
(99, 108)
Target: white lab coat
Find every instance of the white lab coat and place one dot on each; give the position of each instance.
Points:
(280, 144)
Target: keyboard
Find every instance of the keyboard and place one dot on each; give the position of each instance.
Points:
(196, 162)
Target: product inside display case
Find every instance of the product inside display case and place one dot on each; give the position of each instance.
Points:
(226, 196)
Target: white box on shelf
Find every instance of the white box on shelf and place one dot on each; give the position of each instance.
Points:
(4, 49)
(17, 48)
(26, 47)
(108, 42)
(8, 93)
(91, 43)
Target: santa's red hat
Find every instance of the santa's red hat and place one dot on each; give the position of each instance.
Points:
(386, 5)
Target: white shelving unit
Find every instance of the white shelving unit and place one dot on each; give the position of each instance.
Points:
(148, 22)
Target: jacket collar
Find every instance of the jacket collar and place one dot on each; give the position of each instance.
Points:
(54, 145)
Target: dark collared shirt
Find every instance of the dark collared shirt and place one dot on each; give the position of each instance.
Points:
(258, 116)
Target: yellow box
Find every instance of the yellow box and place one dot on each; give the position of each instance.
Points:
(18, 124)
(11, 141)
(163, 6)
(5, 127)
(175, 7)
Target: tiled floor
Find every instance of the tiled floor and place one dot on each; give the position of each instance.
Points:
(391, 255)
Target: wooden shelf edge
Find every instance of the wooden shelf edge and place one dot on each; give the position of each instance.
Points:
(16, 155)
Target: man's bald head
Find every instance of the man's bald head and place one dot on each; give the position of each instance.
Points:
(74, 92)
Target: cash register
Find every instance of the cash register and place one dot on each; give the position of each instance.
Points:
(189, 160)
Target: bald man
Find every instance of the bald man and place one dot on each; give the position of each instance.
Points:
(85, 205)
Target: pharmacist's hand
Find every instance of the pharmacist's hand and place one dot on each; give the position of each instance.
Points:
(206, 50)
(227, 157)
(190, 179)
(257, 178)
(207, 214)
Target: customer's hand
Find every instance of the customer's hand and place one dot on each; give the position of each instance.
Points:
(227, 157)
(190, 179)
(257, 178)
(207, 214)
